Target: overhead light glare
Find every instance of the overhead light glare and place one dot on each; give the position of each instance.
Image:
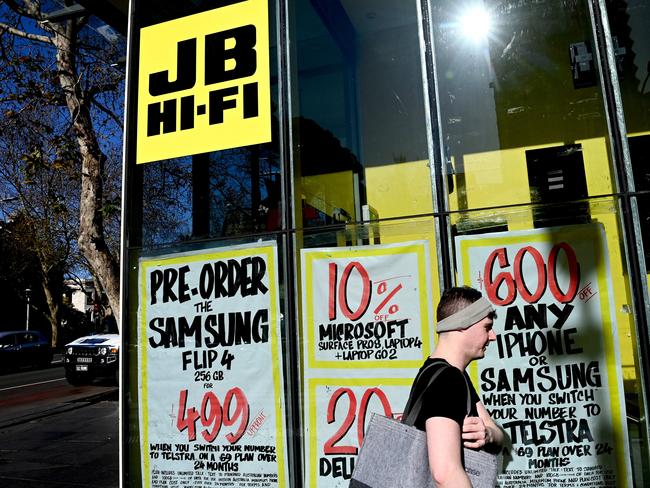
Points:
(476, 23)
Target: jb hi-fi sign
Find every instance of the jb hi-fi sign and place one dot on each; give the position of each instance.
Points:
(204, 83)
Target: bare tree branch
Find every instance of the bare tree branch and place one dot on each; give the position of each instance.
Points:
(33, 10)
(104, 87)
(61, 164)
(26, 35)
(107, 111)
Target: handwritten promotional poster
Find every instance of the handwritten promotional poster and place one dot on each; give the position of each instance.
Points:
(366, 330)
(211, 392)
(552, 380)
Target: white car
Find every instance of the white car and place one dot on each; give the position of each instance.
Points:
(91, 356)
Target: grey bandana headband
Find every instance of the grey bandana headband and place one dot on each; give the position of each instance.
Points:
(468, 316)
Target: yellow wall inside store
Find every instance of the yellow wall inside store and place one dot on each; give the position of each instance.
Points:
(329, 191)
(500, 178)
(396, 190)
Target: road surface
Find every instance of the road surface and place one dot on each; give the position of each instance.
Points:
(56, 435)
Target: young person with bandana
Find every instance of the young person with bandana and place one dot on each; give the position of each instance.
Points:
(464, 332)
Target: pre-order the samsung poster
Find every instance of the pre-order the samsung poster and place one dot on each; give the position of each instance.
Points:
(210, 373)
(366, 329)
(553, 379)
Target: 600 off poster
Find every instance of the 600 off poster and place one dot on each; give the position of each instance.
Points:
(553, 378)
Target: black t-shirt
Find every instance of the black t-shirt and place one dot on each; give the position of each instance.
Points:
(447, 395)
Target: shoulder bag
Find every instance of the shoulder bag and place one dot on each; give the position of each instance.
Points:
(394, 454)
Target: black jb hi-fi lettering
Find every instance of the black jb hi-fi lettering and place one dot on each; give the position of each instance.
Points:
(164, 114)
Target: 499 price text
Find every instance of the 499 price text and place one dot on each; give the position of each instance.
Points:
(213, 415)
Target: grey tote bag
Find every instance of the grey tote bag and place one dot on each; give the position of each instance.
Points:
(394, 455)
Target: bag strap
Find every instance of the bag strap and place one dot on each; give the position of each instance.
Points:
(469, 395)
(414, 405)
(414, 410)
(409, 402)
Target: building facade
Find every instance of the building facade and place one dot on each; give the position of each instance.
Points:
(302, 180)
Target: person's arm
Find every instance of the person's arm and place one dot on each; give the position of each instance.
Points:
(481, 431)
(443, 445)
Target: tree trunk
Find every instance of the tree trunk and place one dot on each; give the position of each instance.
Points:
(91, 222)
(53, 309)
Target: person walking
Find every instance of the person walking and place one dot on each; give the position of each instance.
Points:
(464, 326)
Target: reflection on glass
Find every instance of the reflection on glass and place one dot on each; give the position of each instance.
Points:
(629, 22)
(226, 193)
(222, 194)
(359, 123)
(167, 201)
(475, 23)
(513, 90)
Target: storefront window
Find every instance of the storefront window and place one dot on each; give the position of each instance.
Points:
(205, 333)
(366, 314)
(628, 21)
(540, 142)
(344, 145)
(361, 154)
(358, 114)
(207, 363)
(522, 120)
(631, 42)
(565, 339)
(223, 193)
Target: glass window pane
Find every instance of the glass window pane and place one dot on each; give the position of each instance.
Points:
(520, 104)
(366, 328)
(358, 111)
(229, 347)
(629, 22)
(223, 193)
(194, 215)
(566, 342)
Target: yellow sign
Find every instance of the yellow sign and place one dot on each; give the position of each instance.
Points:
(204, 83)
(556, 345)
(366, 306)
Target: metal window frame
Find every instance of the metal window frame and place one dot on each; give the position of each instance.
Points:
(628, 214)
(439, 189)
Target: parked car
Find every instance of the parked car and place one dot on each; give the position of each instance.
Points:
(92, 356)
(22, 348)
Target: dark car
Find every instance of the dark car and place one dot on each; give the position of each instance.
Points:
(24, 348)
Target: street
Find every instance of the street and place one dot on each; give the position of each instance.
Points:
(54, 434)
